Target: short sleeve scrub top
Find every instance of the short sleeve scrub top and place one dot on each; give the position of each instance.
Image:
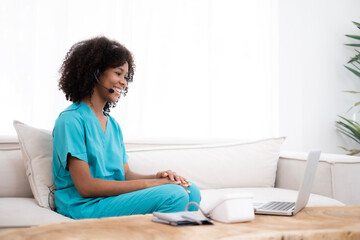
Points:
(78, 132)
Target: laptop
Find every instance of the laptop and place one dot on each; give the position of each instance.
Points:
(292, 208)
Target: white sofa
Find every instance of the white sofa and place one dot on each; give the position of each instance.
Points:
(216, 168)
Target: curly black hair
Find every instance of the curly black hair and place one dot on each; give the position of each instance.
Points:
(85, 58)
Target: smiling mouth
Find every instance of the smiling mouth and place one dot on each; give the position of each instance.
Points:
(119, 90)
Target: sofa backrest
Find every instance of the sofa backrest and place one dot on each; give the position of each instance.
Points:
(337, 175)
(225, 165)
(13, 180)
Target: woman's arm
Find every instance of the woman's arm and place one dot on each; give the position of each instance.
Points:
(130, 175)
(88, 186)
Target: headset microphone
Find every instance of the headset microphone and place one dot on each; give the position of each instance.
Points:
(109, 89)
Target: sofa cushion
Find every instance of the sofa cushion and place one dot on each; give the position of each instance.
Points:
(13, 180)
(210, 196)
(24, 212)
(36, 148)
(237, 164)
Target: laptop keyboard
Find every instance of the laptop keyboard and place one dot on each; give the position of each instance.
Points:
(278, 206)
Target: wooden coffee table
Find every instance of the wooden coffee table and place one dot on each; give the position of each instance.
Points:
(310, 223)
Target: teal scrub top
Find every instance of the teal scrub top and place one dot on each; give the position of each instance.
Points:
(78, 132)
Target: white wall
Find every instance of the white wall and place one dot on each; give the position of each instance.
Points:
(312, 75)
(311, 58)
(200, 69)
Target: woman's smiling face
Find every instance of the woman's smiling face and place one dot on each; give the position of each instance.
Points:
(116, 79)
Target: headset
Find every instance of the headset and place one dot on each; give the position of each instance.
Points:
(96, 75)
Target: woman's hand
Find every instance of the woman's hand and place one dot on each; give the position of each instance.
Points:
(174, 178)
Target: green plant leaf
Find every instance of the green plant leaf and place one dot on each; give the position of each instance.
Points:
(353, 44)
(352, 122)
(351, 130)
(349, 136)
(347, 133)
(351, 151)
(343, 148)
(355, 66)
(353, 71)
(353, 36)
(355, 59)
(354, 152)
(354, 92)
(355, 105)
(352, 125)
(346, 129)
(357, 24)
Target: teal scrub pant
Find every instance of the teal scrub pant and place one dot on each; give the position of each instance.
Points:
(163, 198)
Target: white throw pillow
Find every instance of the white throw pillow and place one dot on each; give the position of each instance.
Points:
(230, 165)
(36, 147)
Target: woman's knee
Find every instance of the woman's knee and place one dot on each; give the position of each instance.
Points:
(194, 196)
(174, 199)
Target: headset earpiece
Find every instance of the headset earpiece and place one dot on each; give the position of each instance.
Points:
(96, 74)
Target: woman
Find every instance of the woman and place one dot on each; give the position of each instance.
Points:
(90, 165)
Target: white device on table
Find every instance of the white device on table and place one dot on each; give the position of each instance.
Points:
(291, 208)
(231, 208)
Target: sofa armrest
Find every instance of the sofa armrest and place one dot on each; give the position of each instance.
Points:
(337, 176)
(9, 142)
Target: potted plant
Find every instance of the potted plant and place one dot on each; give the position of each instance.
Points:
(345, 126)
